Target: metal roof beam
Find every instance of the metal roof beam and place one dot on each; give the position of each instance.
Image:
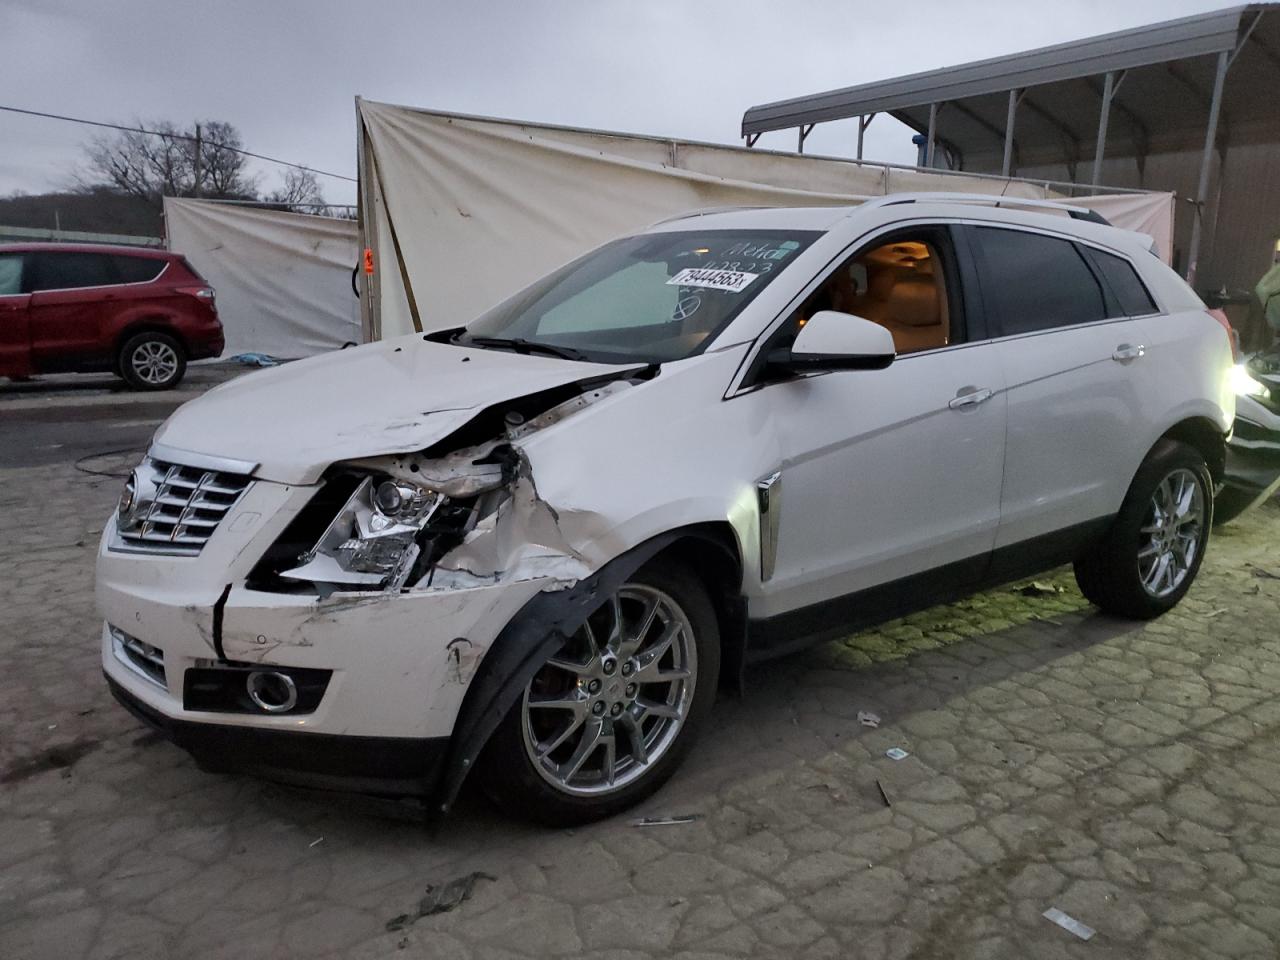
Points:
(1194, 36)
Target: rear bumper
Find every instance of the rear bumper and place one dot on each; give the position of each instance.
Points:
(388, 766)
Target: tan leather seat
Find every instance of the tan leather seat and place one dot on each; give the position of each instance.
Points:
(912, 313)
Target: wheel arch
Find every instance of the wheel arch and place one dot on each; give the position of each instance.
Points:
(151, 323)
(550, 617)
(1204, 435)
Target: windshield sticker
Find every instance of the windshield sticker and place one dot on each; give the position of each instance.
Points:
(686, 308)
(731, 281)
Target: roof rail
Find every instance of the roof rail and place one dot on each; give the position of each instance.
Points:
(996, 200)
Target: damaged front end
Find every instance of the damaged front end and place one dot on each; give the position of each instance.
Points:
(461, 513)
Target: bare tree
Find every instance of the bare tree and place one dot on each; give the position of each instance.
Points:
(163, 163)
(300, 193)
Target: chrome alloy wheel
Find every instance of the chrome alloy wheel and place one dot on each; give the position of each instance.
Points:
(612, 701)
(154, 362)
(1174, 530)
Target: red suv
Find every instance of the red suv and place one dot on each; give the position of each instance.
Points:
(139, 313)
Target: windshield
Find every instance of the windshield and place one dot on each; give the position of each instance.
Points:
(654, 297)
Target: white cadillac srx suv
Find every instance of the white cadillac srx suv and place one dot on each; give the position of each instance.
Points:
(534, 545)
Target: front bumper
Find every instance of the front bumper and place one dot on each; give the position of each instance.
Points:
(389, 766)
(395, 666)
(1253, 452)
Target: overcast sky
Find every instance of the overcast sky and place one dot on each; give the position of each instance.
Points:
(285, 71)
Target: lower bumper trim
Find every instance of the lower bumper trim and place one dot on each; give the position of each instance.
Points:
(382, 766)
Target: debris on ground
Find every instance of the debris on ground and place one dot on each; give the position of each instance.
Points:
(256, 360)
(663, 821)
(441, 899)
(1069, 923)
(868, 719)
(1038, 588)
(316, 842)
(884, 794)
(896, 753)
(1217, 613)
(1262, 573)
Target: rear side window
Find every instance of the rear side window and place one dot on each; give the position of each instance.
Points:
(1126, 286)
(10, 274)
(67, 271)
(1033, 282)
(137, 269)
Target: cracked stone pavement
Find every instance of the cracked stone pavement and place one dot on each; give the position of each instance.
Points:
(1124, 773)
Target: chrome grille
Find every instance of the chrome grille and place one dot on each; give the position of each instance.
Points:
(174, 508)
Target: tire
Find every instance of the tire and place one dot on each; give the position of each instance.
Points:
(1230, 503)
(1115, 575)
(596, 701)
(152, 361)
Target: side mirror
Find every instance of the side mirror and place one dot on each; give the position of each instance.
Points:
(831, 340)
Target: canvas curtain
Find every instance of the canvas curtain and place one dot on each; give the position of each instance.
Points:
(461, 212)
(283, 280)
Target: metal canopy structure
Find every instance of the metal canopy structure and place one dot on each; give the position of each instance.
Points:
(1194, 84)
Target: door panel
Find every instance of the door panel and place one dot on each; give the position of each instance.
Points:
(15, 340)
(1075, 414)
(70, 294)
(883, 477)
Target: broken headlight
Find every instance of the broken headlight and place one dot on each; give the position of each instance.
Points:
(373, 539)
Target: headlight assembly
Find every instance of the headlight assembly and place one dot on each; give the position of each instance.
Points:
(373, 539)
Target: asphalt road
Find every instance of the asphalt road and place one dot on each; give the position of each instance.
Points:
(70, 418)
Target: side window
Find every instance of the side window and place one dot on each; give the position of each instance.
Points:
(1126, 286)
(65, 271)
(905, 282)
(136, 269)
(1033, 282)
(10, 274)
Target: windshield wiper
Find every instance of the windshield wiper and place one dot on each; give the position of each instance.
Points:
(521, 344)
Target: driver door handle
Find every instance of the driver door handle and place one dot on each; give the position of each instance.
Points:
(970, 397)
(1127, 353)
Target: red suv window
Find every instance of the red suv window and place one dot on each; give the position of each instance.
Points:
(66, 271)
(137, 269)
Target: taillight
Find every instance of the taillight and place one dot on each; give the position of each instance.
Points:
(202, 293)
(1233, 338)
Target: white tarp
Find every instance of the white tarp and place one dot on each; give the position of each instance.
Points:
(462, 211)
(283, 280)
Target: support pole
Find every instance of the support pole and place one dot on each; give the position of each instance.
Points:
(933, 131)
(862, 129)
(1108, 91)
(199, 166)
(1206, 158)
(1008, 132)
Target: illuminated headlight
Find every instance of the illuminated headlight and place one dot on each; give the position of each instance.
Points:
(373, 540)
(1244, 384)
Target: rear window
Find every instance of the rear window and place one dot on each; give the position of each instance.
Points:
(67, 271)
(1126, 286)
(137, 269)
(1034, 282)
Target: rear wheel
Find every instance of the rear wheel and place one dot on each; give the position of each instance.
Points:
(607, 719)
(1151, 556)
(152, 361)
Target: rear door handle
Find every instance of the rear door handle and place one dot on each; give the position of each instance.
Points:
(1127, 353)
(970, 397)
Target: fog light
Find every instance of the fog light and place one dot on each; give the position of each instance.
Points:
(271, 691)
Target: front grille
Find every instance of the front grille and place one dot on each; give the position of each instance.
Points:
(176, 508)
(143, 657)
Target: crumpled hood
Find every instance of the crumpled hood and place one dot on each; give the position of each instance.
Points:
(389, 397)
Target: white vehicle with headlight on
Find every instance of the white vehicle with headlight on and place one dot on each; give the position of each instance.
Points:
(534, 546)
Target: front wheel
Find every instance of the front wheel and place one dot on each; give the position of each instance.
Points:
(1151, 555)
(607, 719)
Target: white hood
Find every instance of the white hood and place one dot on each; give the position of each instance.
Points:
(394, 396)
